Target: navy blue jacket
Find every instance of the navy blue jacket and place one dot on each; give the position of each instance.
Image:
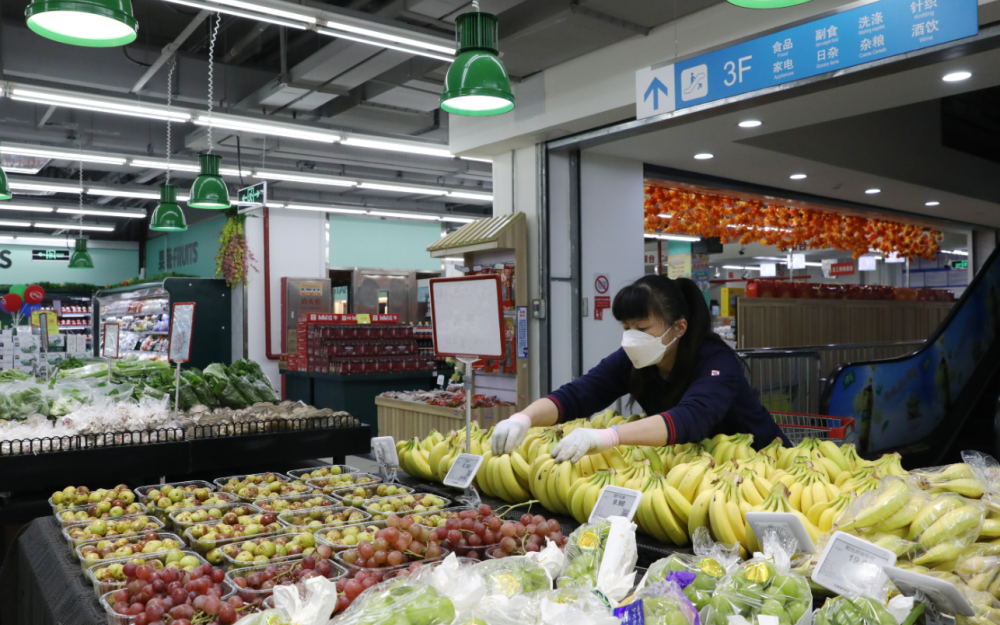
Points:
(719, 399)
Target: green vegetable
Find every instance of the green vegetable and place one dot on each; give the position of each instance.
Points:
(13, 375)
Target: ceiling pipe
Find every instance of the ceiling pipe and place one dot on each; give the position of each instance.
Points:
(169, 50)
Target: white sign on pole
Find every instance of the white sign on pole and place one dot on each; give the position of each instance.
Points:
(109, 344)
(181, 331)
(945, 595)
(468, 316)
(867, 263)
(384, 450)
(798, 261)
(768, 270)
(850, 566)
(461, 473)
(615, 501)
(654, 91)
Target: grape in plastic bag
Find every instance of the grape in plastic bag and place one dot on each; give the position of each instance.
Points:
(399, 602)
(710, 563)
(853, 611)
(513, 576)
(661, 603)
(584, 552)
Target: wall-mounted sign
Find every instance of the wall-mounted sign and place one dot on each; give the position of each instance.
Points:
(959, 264)
(177, 257)
(842, 269)
(50, 255)
(867, 263)
(833, 42)
(252, 197)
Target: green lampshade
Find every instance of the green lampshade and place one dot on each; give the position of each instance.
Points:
(91, 23)
(477, 83)
(4, 186)
(209, 191)
(168, 216)
(766, 4)
(81, 257)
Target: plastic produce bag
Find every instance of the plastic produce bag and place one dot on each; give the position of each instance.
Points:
(709, 564)
(968, 479)
(551, 557)
(602, 555)
(454, 580)
(512, 576)
(383, 604)
(315, 609)
(662, 603)
(565, 606)
(201, 388)
(853, 611)
(944, 528)
(113, 391)
(24, 399)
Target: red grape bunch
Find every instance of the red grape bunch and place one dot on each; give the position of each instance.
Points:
(398, 543)
(348, 588)
(254, 586)
(169, 595)
(470, 532)
(528, 534)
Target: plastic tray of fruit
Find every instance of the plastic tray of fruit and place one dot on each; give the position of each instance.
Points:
(108, 576)
(350, 558)
(527, 534)
(410, 504)
(326, 485)
(206, 537)
(181, 520)
(162, 504)
(100, 510)
(315, 472)
(81, 497)
(310, 519)
(270, 549)
(348, 536)
(106, 549)
(254, 584)
(250, 488)
(211, 589)
(76, 535)
(361, 495)
(188, 486)
(298, 501)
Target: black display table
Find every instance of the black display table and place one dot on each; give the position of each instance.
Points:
(353, 393)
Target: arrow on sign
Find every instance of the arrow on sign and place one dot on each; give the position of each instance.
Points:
(654, 89)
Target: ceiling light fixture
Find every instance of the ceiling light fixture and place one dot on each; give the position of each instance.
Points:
(955, 252)
(59, 155)
(90, 23)
(209, 190)
(94, 104)
(70, 225)
(459, 220)
(27, 208)
(374, 186)
(873, 191)
(42, 187)
(734, 267)
(16, 223)
(165, 165)
(306, 178)
(367, 40)
(404, 215)
(260, 17)
(263, 8)
(766, 4)
(704, 156)
(957, 76)
(367, 32)
(486, 197)
(932, 203)
(326, 209)
(276, 129)
(411, 148)
(674, 237)
(81, 258)
(477, 83)
(168, 216)
(750, 123)
(138, 195)
(128, 214)
(798, 176)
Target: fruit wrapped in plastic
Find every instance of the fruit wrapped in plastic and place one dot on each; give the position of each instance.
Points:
(399, 602)
(710, 563)
(513, 576)
(584, 552)
(662, 603)
(853, 611)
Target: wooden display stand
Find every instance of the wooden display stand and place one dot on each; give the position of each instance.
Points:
(406, 419)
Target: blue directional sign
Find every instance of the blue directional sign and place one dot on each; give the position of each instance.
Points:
(655, 89)
(874, 31)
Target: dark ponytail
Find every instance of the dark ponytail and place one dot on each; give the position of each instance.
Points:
(668, 300)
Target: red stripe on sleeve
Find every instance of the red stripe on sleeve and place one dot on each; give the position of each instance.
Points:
(558, 406)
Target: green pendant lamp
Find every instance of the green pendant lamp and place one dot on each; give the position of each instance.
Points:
(4, 186)
(209, 190)
(168, 216)
(81, 257)
(90, 23)
(766, 4)
(477, 83)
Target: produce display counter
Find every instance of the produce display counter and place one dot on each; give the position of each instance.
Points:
(352, 393)
(405, 419)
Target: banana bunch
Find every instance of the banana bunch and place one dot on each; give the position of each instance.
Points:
(882, 504)
(506, 477)
(636, 475)
(609, 417)
(773, 450)
(858, 481)
(673, 455)
(687, 477)
(549, 482)
(851, 454)
(956, 478)
(979, 572)
(639, 453)
(762, 465)
(808, 448)
(569, 426)
(945, 539)
(663, 512)
(754, 488)
(725, 447)
(777, 501)
(540, 441)
(807, 482)
(824, 514)
(582, 495)
(890, 464)
(414, 458)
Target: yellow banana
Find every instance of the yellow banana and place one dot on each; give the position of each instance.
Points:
(719, 519)
(680, 506)
(832, 452)
(931, 513)
(514, 489)
(521, 468)
(951, 525)
(668, 522)
(890, 499)
(699, 516)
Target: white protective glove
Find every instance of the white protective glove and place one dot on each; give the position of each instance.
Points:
(509, 434)
(583, 441)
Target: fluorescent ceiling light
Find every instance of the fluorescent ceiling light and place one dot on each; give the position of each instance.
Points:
(957, 76)
(47, 241)
(873, 191)
(325, 209)
(23, 170)
(252, 16)
(101, 106)
(399, 189)
(477, 159)
(673, 237)
(774, 258)
(398, 147)
(704, 156)
(734, 267)
(103, 213)
(263, 8)
(933, 203)
(74, 226)
(139, 195)
(458, 220)
(158, 164)
(955, 252)
(41, 186)
(798, 176)
(416, 51)
(86, 157)
(266, 128)
(367, 32)
(750, 123)
(665, 215)
(453, 260)
(25, 207)
(404, 215)
(487, 197)
(306, 178)
(814, 264)
(14, 222)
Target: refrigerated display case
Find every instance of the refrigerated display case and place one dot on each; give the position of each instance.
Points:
(143, 310)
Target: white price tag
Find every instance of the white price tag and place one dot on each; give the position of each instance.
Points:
(441, 380)
(762, 522)
(384, 450)
(850, 566)
(109, 345)
(615, 501)
(461, 473)
(181, 331)
(946, 597)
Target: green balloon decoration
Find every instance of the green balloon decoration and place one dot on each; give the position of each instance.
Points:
(19, 289)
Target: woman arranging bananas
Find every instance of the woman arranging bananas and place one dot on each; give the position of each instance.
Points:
(671, 363)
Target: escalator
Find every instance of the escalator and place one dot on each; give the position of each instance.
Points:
(940, 399)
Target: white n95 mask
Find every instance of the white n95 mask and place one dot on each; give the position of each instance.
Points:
(644, 350)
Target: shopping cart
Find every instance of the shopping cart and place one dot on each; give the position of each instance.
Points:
(798, 427)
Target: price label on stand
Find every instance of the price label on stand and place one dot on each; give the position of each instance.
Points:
(181, 331)
(384, 450)
(850, 566)
(461, 473)
(616, 501)
(945, 596)
(109, 342)
(364, 318)
(784, 522)
(45, 319)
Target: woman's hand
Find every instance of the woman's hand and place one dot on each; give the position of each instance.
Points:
(583, 441)
(509, 434)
